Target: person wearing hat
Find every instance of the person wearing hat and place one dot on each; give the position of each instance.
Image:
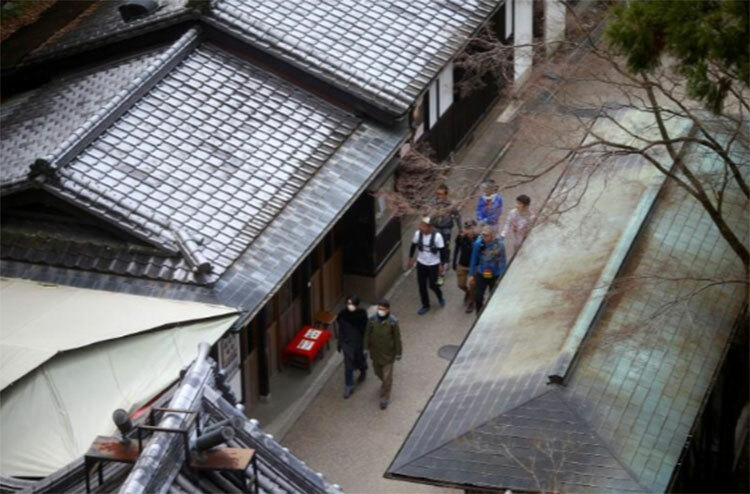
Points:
(490, 204)
(487, 263)
(352, 321)
(462, 260)
(429, 261)
(383, 339)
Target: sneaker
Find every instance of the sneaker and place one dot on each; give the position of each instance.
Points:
(348, 392)
(423, 310)
(362, 376)
(383, 405)
(441, 301)
(469, 310)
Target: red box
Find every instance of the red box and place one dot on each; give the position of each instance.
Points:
(306, 345)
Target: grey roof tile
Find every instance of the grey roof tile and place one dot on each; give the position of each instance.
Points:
(169, 190)
(38, 122)
(386, 52)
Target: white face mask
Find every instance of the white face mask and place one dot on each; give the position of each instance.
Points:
(351, 307)
(488, 196)
(382, 313)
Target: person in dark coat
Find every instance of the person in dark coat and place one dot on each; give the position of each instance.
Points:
(352, 322)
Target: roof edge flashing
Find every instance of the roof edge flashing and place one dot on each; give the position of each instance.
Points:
(597, 298)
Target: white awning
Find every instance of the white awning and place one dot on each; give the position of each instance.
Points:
(50, 417)
(39, 320)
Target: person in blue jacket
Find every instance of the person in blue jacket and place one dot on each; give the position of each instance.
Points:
(489, 205)
(487, 263)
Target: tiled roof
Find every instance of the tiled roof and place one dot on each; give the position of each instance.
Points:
(200, 164)
(533, 444)
(36, 123)
(102, 21)
(261, 268)
(624, 414)
(386, 52)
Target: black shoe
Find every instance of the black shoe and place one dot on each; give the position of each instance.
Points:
(362, 376)
(383, 405)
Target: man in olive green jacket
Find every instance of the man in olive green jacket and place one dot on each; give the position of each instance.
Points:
(383, 338)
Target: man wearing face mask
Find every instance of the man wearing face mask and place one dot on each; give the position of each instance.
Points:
(383, 338)
(489, 205)
(352, 322)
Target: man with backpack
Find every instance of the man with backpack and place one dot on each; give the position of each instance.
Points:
(430, 262)
(383, 339)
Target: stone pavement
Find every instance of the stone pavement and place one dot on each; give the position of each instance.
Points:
(352, 441)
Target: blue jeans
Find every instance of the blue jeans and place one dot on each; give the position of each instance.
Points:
(349, 377)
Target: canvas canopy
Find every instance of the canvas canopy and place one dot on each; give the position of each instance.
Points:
(56, 407)
(39, 320)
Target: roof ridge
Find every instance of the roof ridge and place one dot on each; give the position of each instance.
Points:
(47, 166)
(604, 442)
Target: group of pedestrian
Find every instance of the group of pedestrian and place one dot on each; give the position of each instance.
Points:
(479, 259)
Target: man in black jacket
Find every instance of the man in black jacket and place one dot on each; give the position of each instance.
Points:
(352, 322)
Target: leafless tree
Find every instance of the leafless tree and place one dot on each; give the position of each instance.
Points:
(671, 122)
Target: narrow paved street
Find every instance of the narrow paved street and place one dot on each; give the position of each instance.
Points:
(352, 441)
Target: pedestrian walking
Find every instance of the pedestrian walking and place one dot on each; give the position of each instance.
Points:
(462, 261)
(430, 261)
(444, 214)
(487, 263)
(518, 223)
(352, 322)
(384, 344)
(490, 204)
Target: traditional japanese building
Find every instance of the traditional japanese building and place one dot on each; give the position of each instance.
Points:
(228, 152)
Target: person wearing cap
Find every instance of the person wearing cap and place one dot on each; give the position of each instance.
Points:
(352, 321)
(462, 260)
(383, 339)
(489, 205)
(518, 223)
(487, 263)
(444, 214)
(429, 261)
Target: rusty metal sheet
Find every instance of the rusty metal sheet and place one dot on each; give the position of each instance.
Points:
(223, 458)
(111, 449)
